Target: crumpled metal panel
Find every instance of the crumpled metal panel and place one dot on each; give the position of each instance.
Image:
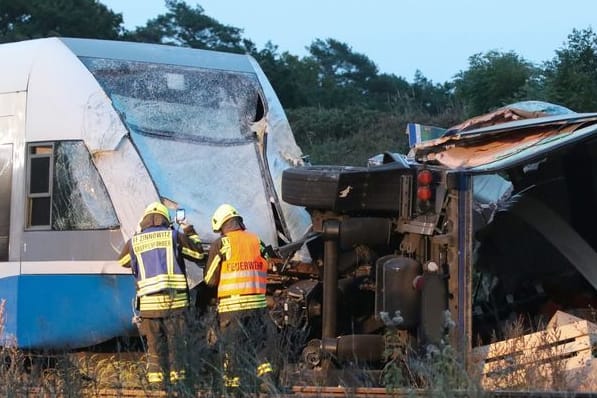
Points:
(199, 133)
(490, 191)
(506, 137)
(199, 178)
(128, 183)
(282, 152)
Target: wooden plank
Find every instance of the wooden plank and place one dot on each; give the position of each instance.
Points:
(529, 343)
(580, 379)
(561, 318)
(561, 359)
(559, 362)
(563, 353)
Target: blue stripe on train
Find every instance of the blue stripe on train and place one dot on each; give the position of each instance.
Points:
(8, 319)
(67, 311)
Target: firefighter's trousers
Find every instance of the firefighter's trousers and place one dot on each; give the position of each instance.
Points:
(246, 349)
(165, 337)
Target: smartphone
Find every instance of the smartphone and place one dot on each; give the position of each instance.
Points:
(180, 216)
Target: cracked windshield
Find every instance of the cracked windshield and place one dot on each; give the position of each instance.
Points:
(183, 119)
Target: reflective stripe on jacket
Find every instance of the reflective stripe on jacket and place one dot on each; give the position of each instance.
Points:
(241, 303)
(154, 262)
(243, 273)
(164, 301)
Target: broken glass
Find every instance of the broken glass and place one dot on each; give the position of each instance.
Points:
(180, 102)
(79, 199)
(194, 130)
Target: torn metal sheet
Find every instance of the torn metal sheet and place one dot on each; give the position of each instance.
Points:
(502, 138)
(511, 113)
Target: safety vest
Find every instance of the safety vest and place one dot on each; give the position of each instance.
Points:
(243, 273)
(153, 257)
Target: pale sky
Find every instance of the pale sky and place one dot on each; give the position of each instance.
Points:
(400, 36)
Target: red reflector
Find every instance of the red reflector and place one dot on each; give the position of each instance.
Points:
(418, 282)
(425, 177)
(424, 193)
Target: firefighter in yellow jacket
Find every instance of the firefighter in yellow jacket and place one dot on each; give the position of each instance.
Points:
(155, 255)
(236, 265)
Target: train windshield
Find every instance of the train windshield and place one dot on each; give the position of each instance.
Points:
(191, 126)
(180, 103)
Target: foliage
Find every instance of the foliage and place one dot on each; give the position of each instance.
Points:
(350, 136)
(571, 76)
(32, 19)
(185, 26)
(337, 76)
(386, 91)
(294, 79)
(431, 98)
(493, 79)
(347, 136)
(339, 64)
(341, 108)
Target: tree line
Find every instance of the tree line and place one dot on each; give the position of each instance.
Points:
(342, 109)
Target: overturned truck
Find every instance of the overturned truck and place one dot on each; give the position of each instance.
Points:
(487, 222)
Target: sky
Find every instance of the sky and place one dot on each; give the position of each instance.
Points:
(436, 37)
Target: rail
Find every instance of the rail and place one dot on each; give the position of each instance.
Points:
(325, 392)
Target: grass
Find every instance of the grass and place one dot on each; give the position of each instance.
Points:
(436, 371)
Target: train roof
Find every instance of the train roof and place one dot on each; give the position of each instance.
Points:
(159, 53)
(20, 58)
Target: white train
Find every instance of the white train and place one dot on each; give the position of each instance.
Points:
(90, 132)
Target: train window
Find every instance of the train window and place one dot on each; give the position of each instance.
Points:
(40, 163)
(65, 189)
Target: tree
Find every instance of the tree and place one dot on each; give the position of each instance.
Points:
(571, 76)
(386, 91)
(338, 62)
(185, 26)
(343, 74)
(492, 80)
(31, 19)
(294, 79)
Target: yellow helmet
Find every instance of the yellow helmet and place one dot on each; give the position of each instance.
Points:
(157, 208)
(222, 214)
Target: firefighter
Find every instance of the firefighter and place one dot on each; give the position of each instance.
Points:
(237, 267)
(155, 256)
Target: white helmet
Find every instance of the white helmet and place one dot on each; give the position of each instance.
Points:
(222, 214)
(157, 208)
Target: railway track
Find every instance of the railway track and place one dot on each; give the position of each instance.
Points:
(322, 392)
